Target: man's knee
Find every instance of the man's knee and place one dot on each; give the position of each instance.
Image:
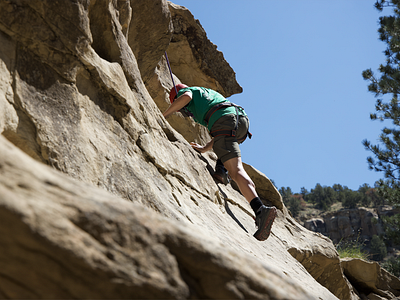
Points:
(239, 174)
(252, 183)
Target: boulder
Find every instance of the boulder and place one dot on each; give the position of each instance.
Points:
(316, 225)
(321, 261)
(265, 189)
(387, 211)
(370, 280)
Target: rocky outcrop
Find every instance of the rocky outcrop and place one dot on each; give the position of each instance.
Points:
(62, 238)
(141, 37)
(100, 197)
(361, 223)
(370, 280)
(387, 211)
(195, 60)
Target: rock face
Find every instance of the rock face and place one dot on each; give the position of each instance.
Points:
(100, 197)
(195, 61)
(66, 239)
(361, 222)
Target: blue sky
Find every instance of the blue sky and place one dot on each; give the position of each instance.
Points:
(300, 64)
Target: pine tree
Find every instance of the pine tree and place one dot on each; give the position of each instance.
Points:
(387, 155)
(378, 248)
(286, 193)
(294, 206)
(303, 192)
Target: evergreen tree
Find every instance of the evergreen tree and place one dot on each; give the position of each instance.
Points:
(322, 196)
(387, 155)
(303, 192)
(339, 189)
(378, 248)
(330, 195)
(286, 193)
(317, 197)
(364, 195)
(350, 198)
(375, 197)
(294, 206)
(393, 266)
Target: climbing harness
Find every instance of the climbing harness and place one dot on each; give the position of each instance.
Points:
(226, 131)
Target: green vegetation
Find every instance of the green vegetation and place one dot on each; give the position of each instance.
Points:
(351, 249)
(323, 197)
(378, 248)
(386, 88)
(392, 265)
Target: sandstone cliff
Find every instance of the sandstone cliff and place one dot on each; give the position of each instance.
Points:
(362, 223)
(101, 197)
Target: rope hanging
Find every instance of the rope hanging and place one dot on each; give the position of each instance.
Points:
(170, 73)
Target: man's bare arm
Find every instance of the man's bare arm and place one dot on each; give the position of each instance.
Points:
(178, 104)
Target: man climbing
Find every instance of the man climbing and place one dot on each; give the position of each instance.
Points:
(228, 125)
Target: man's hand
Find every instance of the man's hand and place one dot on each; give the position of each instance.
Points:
(204, 148)
(198, 147)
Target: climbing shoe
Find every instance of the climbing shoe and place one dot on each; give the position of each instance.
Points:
(265, 216)
(221, 174)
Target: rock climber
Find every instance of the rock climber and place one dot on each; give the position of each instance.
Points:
(229, 126)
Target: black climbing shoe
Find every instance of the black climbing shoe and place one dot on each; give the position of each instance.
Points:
(221, 174)
(265, 216)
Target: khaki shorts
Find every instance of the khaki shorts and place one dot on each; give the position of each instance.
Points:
(227, 147)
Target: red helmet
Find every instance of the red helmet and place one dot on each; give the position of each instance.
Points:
(173, 92)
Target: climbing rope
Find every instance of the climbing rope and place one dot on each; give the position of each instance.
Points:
(170, 73)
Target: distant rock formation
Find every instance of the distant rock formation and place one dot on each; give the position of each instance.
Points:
(100, 197)
(360, 223)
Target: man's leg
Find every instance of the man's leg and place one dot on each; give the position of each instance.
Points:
(239, 175)
(264, 215)
(221, 173)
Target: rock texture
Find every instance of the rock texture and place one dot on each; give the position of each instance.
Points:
(100, 197)
(371, 280)
(66, 239)
(195, 59)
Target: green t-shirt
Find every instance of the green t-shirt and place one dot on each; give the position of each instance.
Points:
(203, 100)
